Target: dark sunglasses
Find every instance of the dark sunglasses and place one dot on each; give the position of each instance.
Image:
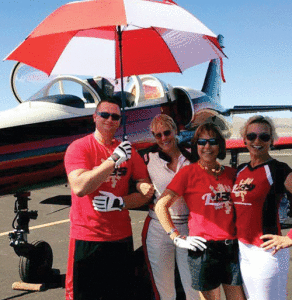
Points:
(160, 134)
(106, 115)
(265, 137)
(212, 142)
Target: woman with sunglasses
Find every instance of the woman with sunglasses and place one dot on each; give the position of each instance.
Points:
(258, 189)
(163, 162)
(212, 246)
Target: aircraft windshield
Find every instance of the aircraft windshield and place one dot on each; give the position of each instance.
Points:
(145, 88)
(30, 84)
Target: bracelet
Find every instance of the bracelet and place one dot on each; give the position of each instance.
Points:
(172, 231)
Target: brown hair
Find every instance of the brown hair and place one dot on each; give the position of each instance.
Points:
(209, 127)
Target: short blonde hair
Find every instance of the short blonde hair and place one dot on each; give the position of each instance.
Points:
(163, 119)
(259, 120)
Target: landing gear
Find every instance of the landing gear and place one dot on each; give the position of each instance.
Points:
(36, 259)
(36, 266)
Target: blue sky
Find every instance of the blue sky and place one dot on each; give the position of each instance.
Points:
(258, 44)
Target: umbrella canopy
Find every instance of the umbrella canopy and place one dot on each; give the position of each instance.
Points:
(87, 37)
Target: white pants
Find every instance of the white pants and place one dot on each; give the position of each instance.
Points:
(162, 254)
(264, 275)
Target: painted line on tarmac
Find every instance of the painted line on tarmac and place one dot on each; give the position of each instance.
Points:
(41, 226)
(47, 225)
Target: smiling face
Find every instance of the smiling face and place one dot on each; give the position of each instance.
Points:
(257, 147)
(165, 137)
(208, 153)
(107, 126)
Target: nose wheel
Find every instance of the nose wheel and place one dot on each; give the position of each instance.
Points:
(36, 265)
(36, 258)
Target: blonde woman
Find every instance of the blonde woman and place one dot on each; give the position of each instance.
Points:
(257, 192)
(164, 160)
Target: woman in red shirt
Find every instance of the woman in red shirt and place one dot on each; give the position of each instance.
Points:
(257, 192)
(206, 187)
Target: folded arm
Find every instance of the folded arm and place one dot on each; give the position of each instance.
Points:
(84, 182)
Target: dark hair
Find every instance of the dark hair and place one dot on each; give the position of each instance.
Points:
(112, 100)
(209, 127)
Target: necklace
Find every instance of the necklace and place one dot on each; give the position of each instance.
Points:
(214, 171)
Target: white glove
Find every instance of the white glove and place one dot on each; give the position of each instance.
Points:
(121, 153)
(190, 242)
(107, 202)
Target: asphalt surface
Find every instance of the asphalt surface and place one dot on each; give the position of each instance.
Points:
(52, 226)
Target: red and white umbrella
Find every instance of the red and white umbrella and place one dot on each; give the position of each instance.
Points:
(118, 38)
(87, 37)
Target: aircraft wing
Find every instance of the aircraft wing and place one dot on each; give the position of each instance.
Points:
(244, 109)
(284, 142)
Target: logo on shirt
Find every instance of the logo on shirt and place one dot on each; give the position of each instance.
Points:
(116, 175)
(244, 186)
(219, 197)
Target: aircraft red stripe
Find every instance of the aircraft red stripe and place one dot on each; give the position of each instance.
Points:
(239, 144)
(34, 160)
(39, 144)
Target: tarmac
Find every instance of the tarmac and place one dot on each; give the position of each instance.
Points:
(52, 226)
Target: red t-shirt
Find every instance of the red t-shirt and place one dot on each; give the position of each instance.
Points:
(256, 195)
(86, 223)
(211, 210)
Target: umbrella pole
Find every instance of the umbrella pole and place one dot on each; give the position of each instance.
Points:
(122, 85)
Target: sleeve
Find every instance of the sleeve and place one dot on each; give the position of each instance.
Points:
(139, 168)
(76, 157)
(179, 182)
(281, 171)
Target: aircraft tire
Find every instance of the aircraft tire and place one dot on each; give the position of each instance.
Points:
(36, 267)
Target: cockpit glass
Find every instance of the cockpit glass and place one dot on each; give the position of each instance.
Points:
(151, 91)
(27, 81)
(146, 88)
(30, 84)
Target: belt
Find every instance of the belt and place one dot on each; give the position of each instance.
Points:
(226, 242)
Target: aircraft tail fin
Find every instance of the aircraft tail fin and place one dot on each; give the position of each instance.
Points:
(212, 83)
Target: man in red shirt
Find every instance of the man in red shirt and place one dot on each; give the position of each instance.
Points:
(99, 169)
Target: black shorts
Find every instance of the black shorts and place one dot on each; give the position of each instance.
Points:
(216, 265)
(103, 270)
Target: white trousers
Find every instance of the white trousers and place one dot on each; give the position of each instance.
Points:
(264, 275)
(162, 254)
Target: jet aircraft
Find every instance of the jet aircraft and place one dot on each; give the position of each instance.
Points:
(55, 111)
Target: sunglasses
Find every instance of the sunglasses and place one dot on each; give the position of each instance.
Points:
(160, 134)
(212, 142)
(265, 137)
(106, 115)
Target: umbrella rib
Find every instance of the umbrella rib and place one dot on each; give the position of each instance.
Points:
(169, 49)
